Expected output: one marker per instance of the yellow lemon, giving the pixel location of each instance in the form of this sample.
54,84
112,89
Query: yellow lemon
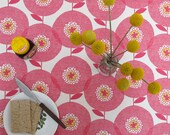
20,45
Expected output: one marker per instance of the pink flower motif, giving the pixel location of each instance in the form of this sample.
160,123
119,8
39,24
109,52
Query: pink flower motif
164,52
71,75
161,102
39,6
8,26
102,93
165,9
160,12
101,127
48,45
70,28
7,72
99,10
164,97
159,51
134,83
9,68
43,2
133,125
13,22
137,88
71,121
69,22
40,80
41,87
143,34
136,4
103,35
103,132
135,34
75,116
160,129
102,6
42,42
134,120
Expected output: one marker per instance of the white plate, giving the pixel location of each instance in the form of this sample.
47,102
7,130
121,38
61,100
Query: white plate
50,126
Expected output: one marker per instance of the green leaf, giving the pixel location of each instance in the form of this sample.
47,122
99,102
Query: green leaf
43,119
44,114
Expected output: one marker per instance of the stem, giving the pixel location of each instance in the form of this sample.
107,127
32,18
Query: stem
122,40
86,45
120,53
110,26
145,81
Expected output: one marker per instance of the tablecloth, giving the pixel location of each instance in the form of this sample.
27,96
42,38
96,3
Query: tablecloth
87,101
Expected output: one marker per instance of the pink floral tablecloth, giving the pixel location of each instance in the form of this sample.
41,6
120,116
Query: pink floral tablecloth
88,102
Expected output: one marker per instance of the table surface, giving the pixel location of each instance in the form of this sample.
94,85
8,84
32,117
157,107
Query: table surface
88,102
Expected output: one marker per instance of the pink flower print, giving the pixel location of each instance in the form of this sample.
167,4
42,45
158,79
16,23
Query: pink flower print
8,26
161,102
71,75
137,88
134,83
7,72
164,52
68,72
135,34
107,44
75,116
133,125
42,42
159,51
99,10
101,127
71,27
13,22
159,10
43,37
160,129
164,97
103,132
71,121
46,85
136,4
104,93
70,22
43,3
41,87
102,6
134,120
1,119
43,7
164,9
